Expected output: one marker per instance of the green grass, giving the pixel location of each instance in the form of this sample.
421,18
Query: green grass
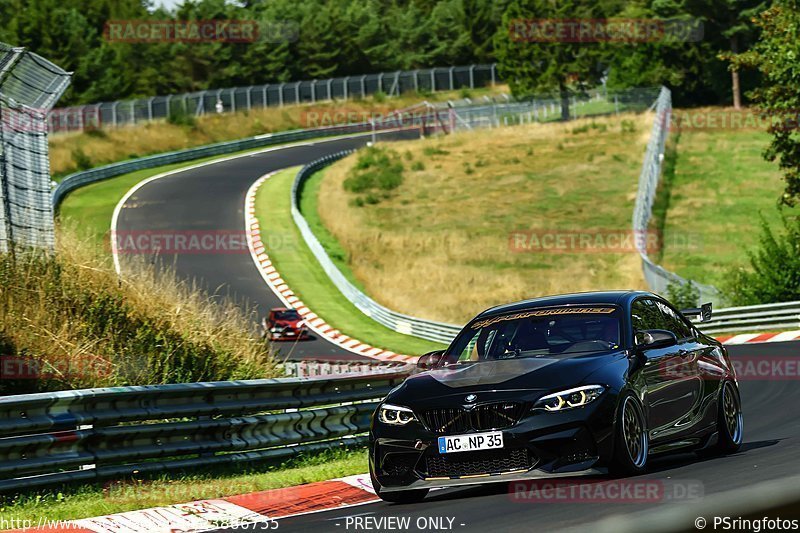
309,206
301,271
117,497
89,209
716,184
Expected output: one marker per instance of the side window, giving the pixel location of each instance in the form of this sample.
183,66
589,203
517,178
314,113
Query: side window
652,314
676,323
645,316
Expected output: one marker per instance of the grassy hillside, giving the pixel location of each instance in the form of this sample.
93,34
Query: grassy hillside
70,152
715,186
439,245
67,321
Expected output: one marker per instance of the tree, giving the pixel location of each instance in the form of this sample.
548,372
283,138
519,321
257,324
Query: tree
776,55
734,19
531,63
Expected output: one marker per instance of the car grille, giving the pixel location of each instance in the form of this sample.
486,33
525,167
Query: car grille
483,417
478,462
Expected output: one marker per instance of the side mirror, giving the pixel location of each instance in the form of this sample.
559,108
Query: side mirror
651,339
430,360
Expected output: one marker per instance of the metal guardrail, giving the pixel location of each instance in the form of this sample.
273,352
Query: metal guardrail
769,317
79,179
92,434
658,278
310,368
409,325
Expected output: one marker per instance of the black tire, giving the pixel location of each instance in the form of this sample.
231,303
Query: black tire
398,496
631,439
730,422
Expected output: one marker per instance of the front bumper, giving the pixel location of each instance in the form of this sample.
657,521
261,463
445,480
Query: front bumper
541,445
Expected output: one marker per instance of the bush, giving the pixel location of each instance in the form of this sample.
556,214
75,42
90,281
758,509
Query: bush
774,273
81,160
683,295
376,169
179,116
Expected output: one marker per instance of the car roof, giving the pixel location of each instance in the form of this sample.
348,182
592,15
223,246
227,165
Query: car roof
578,298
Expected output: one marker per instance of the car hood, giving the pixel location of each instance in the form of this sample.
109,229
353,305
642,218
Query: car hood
539,373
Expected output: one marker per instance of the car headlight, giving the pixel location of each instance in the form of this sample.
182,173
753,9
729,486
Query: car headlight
395,415
570,399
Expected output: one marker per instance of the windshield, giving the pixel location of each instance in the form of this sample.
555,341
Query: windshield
542,332
287,315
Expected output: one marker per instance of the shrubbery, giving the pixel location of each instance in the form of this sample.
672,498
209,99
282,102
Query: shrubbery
774,273
377,171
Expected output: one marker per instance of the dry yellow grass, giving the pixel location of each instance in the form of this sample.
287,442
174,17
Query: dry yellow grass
439,247
72,317
110,145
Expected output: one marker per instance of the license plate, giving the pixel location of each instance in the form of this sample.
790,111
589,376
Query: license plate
469,443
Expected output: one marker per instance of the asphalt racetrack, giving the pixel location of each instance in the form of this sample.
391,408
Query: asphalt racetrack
771,450
211,199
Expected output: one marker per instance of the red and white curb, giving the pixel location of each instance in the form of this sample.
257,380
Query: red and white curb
233,511
275,282
748,338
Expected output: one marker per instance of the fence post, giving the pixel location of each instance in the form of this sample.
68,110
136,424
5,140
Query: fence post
344,86
114,112
472,76
150,108
249,100
233,100
330,94
492,73
297,92
450,76
416,81
433,80
280,94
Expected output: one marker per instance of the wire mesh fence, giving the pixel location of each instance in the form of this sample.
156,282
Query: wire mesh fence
29,87
125,112
658,278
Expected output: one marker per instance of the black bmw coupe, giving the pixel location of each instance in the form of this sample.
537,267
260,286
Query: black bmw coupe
578,384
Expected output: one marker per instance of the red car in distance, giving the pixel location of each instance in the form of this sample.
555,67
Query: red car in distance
284,324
